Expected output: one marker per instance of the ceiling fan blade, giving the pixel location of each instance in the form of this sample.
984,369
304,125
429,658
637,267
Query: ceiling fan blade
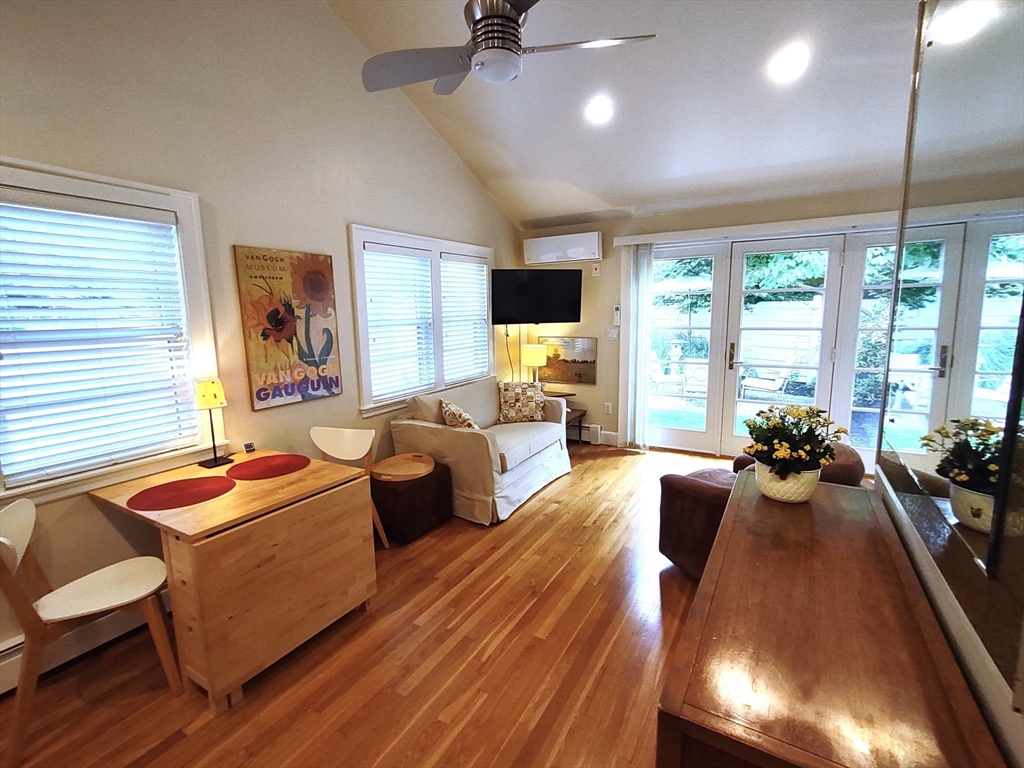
398,68
522,6
605,43
445,86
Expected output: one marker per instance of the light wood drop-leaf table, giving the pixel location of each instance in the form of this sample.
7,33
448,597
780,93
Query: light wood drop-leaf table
257,571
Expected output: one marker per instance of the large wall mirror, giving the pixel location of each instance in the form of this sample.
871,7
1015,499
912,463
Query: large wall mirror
955,342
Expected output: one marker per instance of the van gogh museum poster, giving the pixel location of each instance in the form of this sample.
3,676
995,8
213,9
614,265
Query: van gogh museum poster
290,325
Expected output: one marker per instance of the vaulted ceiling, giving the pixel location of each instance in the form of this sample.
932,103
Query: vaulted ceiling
697,123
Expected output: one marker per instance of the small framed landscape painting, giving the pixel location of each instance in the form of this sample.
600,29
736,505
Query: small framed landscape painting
571,359
290,325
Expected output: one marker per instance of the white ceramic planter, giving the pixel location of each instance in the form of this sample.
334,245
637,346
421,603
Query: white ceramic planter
971,508
794,489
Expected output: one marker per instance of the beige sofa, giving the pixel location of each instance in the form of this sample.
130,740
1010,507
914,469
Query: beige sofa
495,468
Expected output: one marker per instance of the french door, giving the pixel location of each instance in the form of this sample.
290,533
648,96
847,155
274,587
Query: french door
783,307
689,288
922,338
804,321
988,313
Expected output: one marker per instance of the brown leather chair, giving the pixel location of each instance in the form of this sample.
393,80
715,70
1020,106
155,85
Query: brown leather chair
692,506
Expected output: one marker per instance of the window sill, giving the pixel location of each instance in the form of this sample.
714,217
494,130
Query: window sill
376,410
47,491
369,411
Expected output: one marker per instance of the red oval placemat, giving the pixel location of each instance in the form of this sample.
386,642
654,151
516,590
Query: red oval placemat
269,466
180,493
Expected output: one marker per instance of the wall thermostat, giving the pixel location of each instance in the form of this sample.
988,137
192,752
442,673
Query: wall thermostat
617,316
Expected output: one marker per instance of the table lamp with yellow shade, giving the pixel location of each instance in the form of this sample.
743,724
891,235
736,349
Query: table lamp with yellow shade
210,395
534,356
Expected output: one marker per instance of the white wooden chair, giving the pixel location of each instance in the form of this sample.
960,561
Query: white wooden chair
49,613
350,445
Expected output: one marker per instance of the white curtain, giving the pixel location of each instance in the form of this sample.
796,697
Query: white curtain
639,328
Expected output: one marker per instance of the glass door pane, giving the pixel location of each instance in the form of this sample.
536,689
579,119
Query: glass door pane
684,362
784,298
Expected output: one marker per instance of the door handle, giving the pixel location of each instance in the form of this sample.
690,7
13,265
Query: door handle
940,369
733,362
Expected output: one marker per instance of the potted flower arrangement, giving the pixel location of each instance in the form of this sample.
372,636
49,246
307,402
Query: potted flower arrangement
791,444
971,462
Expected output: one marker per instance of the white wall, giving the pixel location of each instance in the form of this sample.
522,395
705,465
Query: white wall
258,108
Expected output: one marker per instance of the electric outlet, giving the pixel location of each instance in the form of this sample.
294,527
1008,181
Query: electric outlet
595,270
608,408
613,334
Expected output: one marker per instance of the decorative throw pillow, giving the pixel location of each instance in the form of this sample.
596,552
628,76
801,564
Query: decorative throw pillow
456,417
520,401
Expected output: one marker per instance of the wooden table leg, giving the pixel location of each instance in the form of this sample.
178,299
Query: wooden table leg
235,697
218,704
188,684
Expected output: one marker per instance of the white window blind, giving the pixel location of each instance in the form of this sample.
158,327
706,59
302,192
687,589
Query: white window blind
465,331
399,317
95,365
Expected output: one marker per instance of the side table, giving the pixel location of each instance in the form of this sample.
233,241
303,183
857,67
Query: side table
574,418
412,493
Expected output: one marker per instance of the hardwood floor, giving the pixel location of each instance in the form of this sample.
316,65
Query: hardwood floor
539,641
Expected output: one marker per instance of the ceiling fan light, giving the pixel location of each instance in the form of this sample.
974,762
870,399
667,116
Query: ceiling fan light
601,43
497,65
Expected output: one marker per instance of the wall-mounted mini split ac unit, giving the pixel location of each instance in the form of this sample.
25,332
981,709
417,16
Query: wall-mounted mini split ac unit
584,246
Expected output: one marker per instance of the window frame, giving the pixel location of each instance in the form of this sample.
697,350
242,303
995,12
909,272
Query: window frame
36,177
359,236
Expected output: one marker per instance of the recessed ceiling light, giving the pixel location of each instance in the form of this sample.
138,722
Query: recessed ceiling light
789,63
599,110
962,21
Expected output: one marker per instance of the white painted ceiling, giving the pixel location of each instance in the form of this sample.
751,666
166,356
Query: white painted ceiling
697,123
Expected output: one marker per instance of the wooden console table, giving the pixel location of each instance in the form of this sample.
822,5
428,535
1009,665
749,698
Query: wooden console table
257,571
810,642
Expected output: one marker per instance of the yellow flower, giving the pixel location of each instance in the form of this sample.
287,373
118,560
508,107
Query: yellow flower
992,480
993,468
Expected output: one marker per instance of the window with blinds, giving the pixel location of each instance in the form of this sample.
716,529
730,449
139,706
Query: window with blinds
465,330
95,365
400,320
422,314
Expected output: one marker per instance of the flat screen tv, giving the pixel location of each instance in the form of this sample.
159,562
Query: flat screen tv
535,296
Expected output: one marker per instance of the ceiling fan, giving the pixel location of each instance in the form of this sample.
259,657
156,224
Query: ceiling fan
494,52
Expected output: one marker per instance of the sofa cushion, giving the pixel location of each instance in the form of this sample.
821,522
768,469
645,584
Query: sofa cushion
456,417
519,441
519,401
478,398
